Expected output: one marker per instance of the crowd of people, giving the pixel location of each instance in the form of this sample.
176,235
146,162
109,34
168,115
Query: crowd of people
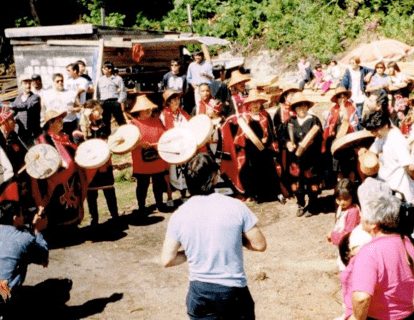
250,155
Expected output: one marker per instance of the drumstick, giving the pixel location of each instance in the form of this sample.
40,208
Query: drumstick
172,152
116,142
35,157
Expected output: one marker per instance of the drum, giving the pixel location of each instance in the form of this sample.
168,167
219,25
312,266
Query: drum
307,140
359,138
343,130
125,139
177,146
201,127
42,160
244,126
92,154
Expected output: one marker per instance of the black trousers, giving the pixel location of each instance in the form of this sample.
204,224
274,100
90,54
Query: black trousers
111,202
143,181
112,107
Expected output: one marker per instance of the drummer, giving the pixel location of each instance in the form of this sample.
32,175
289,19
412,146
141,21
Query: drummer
343,113
146,161
237,84
63,193
305,170
104,177
173,116
258,175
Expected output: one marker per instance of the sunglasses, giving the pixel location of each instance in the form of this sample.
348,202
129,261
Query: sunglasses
175,65
380,68
342,95
59,81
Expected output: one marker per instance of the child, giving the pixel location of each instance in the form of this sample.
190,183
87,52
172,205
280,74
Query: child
238,86
348,213
317,81
173,116
332,77
104,177
304,170
305,72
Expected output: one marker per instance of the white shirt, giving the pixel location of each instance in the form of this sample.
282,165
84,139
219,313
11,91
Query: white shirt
394,155
358,96
76,84
59,101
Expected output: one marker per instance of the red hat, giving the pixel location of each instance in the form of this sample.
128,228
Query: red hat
5,114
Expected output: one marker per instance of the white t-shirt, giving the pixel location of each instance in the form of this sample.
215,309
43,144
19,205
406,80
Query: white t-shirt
210,230
358,96
76,84
59,101
394,154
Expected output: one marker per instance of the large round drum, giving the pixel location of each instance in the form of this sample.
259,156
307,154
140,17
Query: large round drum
92,154
359,138
125,139
42,160
250,134
201,127
177,146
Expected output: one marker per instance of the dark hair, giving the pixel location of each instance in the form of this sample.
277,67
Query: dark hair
8,209
81,62
318,66
55,75
344,249
334,61
91,103
381,63
178,61
74,67
205,84
375,120
108,64
344,189
394,65
199,53
199,174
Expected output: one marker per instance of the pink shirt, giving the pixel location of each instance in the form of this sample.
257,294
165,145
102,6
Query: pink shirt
381,270
352,219
346,281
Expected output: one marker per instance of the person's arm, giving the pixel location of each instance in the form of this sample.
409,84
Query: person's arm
38,250
171,256
190,76
351,221
346,80
122,91
254,240
360,305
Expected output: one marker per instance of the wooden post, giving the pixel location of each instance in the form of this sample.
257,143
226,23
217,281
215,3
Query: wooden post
98,68
103,16
190,19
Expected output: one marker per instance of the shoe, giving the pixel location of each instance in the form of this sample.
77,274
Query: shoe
300,212
170,204
281,198
308,214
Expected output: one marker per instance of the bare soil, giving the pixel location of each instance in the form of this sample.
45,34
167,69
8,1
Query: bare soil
116,274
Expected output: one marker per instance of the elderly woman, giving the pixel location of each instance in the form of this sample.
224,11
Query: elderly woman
382,280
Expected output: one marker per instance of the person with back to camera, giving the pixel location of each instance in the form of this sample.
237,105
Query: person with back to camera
396,163
212,228
19,248
382,277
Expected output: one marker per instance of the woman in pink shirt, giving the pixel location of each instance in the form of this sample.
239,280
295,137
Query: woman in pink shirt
382,276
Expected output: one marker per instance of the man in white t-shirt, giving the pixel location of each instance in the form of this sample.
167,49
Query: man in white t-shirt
396,163
77,83
212,228
60,99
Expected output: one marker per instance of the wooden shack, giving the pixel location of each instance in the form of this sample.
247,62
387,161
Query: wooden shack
141,56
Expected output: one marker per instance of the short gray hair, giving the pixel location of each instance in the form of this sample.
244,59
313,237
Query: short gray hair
384,211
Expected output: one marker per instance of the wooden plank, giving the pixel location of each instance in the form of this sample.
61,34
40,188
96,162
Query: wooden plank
89,43
49,31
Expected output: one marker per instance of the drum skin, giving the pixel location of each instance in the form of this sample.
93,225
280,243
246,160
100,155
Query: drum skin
92,154
177,146
125,139
42,161
202,127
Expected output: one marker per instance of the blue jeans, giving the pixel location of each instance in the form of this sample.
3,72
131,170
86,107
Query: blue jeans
209,301
359,107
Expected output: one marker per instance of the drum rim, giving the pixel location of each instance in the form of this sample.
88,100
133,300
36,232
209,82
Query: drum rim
113,136
189,137
341,143
27,160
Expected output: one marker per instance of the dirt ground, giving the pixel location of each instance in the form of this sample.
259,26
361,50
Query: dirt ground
116,274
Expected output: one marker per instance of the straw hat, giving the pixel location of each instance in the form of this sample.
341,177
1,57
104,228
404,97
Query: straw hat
286,90
338,92
254,95
169,94
369,163
143,103
299,97
237,77
53,114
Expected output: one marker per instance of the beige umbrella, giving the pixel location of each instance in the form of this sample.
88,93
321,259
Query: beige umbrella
381,50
